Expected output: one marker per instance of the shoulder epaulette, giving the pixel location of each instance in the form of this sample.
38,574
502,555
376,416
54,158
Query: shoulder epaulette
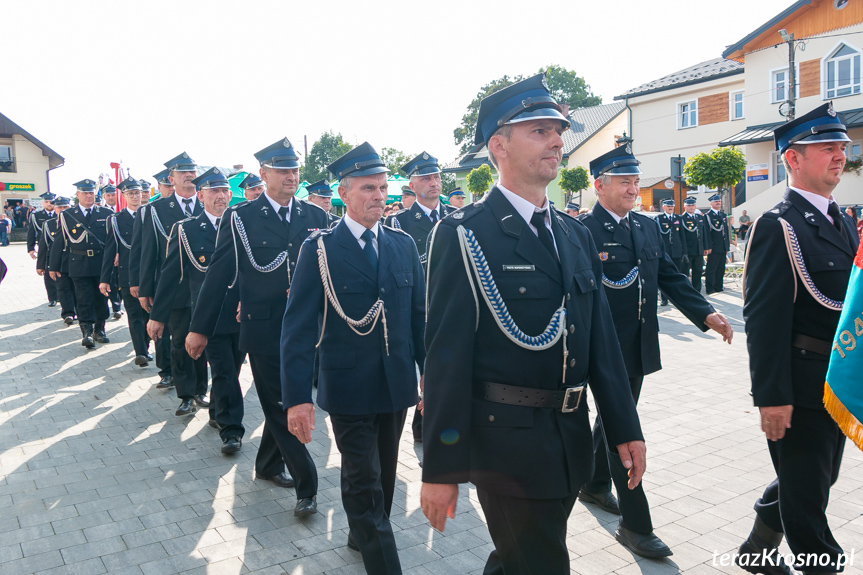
777,210
399,230
461,215
319,232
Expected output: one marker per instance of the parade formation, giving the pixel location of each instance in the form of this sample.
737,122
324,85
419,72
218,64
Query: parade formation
489,320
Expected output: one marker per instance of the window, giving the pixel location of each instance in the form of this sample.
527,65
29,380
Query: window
687,113
842,72
7,160
778,169
735,101
854,150
779,81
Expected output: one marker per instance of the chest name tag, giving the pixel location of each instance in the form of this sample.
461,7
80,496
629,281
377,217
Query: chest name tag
519,268
610,245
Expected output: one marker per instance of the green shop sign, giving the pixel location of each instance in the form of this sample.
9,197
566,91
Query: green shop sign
9,187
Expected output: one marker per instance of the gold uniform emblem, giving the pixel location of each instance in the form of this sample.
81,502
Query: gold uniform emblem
202,259
603,256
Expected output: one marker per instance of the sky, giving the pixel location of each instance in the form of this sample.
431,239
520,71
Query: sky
139,82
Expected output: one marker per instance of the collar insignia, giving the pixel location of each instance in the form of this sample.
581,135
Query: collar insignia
458,215
808,215
637,225
609,226
171,205
418,216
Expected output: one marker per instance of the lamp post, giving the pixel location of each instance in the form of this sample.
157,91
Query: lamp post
792,74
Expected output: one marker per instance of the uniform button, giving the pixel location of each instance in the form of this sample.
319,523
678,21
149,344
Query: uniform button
638,262
802,352
568,297
643,320
830,264
591,282
491,418
572,363
644,300
293,263
571,329
249,316
612,257
290,245
344,287
522,290
265,243
383,290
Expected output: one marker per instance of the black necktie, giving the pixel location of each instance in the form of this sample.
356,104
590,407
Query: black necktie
369,250
188,208
538,221
833,212
433,216
283,213
624,223
87,214
217,222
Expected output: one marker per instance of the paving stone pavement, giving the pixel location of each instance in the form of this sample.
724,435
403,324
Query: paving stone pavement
98,476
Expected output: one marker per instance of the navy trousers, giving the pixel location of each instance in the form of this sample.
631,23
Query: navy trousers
226,397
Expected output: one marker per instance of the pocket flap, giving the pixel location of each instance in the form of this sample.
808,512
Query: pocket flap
489,414
585,280
351,285
255,312
404,279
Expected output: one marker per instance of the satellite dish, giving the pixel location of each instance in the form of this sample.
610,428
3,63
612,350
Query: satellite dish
785,109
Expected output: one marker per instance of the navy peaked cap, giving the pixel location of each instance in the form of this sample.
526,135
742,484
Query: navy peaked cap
525,100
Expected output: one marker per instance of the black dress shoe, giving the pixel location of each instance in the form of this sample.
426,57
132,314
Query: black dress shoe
215,424
69,320
418,438
148,356
201,401
643,544
664,302
231,445
52,303
186,408
352,543
760,553
101,337
141,361
282,480
166,382
305,507
87,340
118,314
605,500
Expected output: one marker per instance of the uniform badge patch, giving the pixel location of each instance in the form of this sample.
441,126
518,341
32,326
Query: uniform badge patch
202,259
603,256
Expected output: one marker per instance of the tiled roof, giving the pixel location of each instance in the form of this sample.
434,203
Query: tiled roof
703,72
584,123
8,128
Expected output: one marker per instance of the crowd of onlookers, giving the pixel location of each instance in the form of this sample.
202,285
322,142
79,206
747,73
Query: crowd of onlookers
11,217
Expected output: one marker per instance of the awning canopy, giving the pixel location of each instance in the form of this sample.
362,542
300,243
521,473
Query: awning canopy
764,132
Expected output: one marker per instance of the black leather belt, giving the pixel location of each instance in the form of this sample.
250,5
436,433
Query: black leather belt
88,253
566,400
812,344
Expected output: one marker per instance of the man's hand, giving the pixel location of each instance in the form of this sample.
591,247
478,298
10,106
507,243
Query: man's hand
238,312
438,501
717,322
32,254
707,252
301,421
195,344
146,303
40,272
54,275
133,291
116,259
633,455
155,329
105,289
420,405
775,420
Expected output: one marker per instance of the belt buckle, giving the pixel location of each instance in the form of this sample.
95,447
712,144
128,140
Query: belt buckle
569,394
89,253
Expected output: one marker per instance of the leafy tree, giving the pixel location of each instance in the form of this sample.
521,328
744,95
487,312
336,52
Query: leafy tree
565,85
447,183
479,180
325,150
395,159
574,180
721,169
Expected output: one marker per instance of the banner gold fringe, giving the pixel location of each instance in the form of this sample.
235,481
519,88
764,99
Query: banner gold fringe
849,424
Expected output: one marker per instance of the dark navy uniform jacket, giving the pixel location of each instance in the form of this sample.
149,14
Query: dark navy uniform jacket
117,245
510,449
621,251
716,224
781,373
46,244
167,212
135,253
694,232
85,257
34,231
179,273
263,295
671,228
417,225
357,376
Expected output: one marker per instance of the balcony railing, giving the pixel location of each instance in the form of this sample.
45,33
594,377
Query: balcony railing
7,164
